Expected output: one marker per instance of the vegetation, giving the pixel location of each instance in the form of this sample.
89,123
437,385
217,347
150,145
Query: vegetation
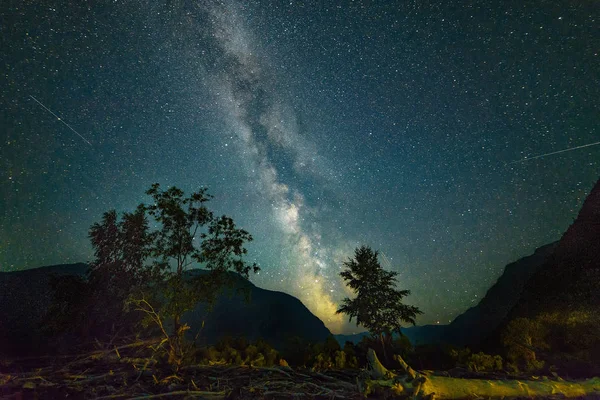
141,277
378,304
320,356
566,342
139,274
237,351
189,233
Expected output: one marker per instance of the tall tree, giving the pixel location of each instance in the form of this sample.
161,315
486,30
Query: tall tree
146,264
121,249
190,233
378,304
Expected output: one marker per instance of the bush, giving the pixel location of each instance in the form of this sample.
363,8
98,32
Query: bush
350,352
482,362
320,356
238,352
340,359
522,338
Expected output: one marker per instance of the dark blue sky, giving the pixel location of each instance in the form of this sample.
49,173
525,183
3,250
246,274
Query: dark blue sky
317,128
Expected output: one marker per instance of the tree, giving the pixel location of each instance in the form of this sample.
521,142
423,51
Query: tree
190,233
121,249
187,234
523,338
141,263
378,304
93,304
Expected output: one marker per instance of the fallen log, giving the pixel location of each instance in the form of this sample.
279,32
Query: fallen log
417,385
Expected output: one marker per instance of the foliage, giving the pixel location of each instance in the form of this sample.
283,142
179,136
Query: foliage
141,274
188,233
320,356
567,341
378,304
237,351
94,306
432,357
351,357
120,248
330,355
522,338
481,362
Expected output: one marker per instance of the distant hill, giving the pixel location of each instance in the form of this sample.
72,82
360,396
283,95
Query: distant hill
24,299
273,316
270,315
418,335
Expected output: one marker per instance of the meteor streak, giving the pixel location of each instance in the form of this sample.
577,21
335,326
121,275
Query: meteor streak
554,152
60,119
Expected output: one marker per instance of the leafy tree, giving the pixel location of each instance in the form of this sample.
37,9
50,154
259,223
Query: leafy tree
378,304
190,233
481,362
523,338
146,269
121,249
239,352
93,305
351,358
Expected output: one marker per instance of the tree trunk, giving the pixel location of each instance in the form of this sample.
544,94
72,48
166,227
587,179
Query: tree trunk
385,356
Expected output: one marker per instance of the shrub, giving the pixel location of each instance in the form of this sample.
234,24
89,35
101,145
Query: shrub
230,351
482,362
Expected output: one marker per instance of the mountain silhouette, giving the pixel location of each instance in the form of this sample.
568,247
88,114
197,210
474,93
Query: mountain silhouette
570,279
562,299
273,316
24,298
472,326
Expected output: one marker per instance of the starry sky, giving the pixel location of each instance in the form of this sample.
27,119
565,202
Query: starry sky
317,126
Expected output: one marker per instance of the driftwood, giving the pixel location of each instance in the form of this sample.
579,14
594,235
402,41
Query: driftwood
417,385
127,372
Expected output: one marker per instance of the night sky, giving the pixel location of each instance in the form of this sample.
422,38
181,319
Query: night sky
317,127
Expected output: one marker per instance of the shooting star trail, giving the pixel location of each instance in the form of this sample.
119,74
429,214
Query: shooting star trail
554,152
60,119
385,261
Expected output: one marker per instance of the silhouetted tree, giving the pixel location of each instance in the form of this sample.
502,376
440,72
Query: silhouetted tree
121,249
188,233
378,304
147,268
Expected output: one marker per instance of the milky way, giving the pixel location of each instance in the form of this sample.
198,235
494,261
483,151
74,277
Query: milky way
265,125
317,127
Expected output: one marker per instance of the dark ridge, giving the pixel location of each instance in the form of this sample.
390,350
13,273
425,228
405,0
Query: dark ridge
273,316
472,326
24,299
570,279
